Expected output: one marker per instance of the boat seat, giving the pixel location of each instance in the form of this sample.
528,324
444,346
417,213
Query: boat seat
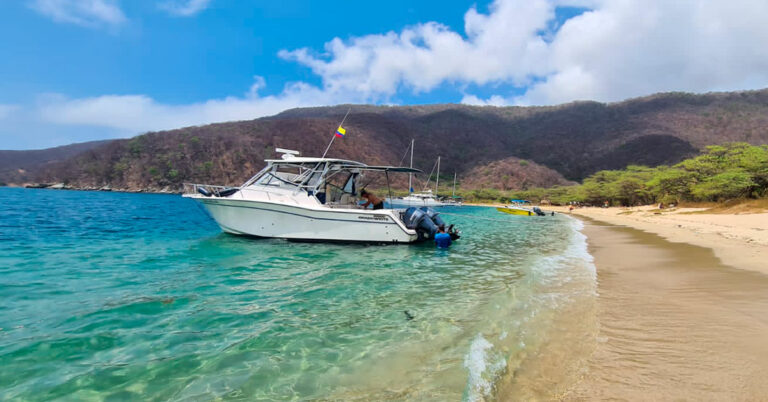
347,199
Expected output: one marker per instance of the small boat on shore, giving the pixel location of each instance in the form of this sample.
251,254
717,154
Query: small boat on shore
521,207
312,199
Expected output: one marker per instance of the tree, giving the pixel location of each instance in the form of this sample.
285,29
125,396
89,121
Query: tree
671,185
723,186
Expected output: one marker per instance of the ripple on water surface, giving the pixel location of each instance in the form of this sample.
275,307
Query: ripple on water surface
141,296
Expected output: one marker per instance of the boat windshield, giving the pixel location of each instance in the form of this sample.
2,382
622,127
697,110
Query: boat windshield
290,175
332,181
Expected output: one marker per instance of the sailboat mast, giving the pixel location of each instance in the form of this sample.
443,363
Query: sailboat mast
454,185
437,179
410,175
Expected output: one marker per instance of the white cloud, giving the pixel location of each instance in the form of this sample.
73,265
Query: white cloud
619,49
88,13
494,100
502,46
184,8
630,48
7,110
139,113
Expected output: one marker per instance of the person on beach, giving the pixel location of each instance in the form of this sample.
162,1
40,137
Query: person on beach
372,200
442,239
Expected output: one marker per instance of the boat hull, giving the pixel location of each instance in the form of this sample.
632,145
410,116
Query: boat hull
516,211
404,204
265,219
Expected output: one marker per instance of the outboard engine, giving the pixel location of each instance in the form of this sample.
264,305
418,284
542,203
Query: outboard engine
425,221
418,220
538,211
432,214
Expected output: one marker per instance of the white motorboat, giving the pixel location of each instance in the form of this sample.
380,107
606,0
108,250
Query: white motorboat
312,199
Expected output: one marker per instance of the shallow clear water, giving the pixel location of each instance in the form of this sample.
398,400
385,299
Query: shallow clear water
136,296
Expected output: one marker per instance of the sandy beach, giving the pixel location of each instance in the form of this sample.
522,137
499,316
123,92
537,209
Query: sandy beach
682,306
738,240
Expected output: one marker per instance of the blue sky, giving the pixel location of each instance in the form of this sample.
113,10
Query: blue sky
175,59
77,70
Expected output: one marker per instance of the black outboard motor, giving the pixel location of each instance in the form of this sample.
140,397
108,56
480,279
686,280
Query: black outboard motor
425,221
412,217
435,217
538,211
418,220
432,214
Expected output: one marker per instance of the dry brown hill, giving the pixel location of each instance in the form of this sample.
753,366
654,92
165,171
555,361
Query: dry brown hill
21,166
573,140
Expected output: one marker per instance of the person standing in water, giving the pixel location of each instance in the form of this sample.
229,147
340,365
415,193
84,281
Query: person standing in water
442,239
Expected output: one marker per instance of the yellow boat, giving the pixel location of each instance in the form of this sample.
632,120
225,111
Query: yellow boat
521,207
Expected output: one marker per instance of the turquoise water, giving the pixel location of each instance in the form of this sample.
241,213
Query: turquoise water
110,296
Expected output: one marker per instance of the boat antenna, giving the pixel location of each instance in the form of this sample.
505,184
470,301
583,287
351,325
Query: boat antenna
334,136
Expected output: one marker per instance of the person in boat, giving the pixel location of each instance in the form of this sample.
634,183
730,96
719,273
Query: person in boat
377,202
442,239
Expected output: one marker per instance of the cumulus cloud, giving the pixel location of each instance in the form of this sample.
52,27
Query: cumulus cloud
615,50
494,100
184,8
630,48
140,113
618,49
88,13
502,46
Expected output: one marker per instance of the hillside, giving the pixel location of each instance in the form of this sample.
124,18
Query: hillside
21,166
569,141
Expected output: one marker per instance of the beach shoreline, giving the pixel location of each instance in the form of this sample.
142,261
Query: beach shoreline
675,320
738,240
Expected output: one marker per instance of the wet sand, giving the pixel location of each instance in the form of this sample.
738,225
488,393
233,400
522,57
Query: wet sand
674,323
737,239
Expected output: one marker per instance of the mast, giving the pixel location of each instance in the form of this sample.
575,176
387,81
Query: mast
437,179
410,175
454,186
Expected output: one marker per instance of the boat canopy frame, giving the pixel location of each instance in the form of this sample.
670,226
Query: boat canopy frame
315,172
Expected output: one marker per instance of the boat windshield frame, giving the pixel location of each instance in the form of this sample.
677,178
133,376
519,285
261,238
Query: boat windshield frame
313,173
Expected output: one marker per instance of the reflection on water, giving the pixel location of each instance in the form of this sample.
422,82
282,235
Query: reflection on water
140,296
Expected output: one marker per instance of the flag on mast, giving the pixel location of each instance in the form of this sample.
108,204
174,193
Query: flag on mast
340,132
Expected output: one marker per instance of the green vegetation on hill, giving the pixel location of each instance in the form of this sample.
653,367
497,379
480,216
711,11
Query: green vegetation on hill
722,172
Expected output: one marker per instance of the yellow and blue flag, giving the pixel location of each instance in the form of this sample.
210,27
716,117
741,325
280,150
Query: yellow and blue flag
340,132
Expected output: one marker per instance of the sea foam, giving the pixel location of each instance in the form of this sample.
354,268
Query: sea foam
484,367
